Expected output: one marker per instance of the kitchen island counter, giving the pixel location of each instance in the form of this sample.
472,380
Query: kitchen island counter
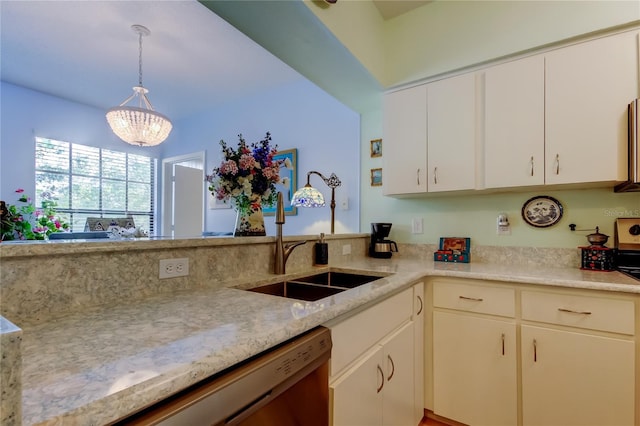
96,366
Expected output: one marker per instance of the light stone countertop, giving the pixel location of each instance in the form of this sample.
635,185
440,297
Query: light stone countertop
94,367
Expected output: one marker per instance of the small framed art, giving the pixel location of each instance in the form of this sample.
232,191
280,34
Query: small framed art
376,177
376,148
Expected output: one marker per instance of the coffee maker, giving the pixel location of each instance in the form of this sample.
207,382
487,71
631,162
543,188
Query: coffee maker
380,247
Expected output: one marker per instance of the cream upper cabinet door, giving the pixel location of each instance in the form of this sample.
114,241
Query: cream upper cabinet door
404,154
451,133
588,88
475,369
514,123
571,378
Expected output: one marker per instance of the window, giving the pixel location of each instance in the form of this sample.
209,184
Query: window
94,182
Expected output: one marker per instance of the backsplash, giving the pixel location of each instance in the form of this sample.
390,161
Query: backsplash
48,280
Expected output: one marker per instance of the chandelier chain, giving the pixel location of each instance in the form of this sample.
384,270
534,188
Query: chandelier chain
140,60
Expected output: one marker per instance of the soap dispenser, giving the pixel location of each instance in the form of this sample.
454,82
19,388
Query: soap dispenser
322,251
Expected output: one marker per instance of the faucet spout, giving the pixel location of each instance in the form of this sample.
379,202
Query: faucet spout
282,250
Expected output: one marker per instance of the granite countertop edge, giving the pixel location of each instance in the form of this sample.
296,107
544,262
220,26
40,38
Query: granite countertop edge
243,324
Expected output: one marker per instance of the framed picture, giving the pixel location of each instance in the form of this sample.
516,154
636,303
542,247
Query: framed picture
288,184
376,148
376,177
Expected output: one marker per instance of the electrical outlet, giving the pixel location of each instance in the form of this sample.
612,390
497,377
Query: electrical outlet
170,268
346,249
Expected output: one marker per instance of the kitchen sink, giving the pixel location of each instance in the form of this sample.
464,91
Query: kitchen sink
339,279
315,287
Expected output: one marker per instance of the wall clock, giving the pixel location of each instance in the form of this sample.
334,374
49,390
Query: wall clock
542,211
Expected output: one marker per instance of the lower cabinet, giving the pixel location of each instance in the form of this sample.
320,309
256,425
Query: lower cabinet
475,377
375,370
570,357
378,389
571,378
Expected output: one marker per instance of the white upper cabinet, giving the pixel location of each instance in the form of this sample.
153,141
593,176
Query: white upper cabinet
405,142
588,88
451,124
555,118
514,123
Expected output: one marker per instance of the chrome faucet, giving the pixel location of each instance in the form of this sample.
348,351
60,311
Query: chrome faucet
282,250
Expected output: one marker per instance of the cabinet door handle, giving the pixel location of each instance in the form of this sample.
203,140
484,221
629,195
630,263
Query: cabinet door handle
535,350
382,378
435,175
418,176
557,164
532,165
502,344
421,306
574,312
393,368
473,299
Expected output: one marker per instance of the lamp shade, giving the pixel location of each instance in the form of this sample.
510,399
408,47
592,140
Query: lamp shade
307,196
139,126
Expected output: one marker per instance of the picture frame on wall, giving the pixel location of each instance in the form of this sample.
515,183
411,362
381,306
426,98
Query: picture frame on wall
215,204
289,182
376,148
376,177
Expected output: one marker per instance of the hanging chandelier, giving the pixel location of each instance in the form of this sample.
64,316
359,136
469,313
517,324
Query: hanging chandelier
139,125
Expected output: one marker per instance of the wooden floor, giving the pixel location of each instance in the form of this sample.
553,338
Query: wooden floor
426,421
431,419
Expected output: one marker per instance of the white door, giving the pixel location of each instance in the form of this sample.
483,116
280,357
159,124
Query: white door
188,201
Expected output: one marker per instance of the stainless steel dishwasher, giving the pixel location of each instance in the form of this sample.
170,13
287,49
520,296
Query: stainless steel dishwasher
284,386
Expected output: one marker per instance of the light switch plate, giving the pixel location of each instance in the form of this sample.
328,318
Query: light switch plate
417,225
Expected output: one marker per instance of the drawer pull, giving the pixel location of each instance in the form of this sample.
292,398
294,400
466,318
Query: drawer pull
535,351
421,306
418,176
532,165
382,377
574,312
502,344
393,368
473,299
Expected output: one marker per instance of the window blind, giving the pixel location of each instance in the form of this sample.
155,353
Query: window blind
87,181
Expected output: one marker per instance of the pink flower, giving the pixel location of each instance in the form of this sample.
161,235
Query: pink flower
229,167
57,223
19,190
247,161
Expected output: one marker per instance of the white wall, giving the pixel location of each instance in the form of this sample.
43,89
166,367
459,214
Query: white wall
25,114
301,116
325,133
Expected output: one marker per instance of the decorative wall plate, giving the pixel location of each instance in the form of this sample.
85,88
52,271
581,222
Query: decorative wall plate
542,211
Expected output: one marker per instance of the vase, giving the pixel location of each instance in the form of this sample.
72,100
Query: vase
250,221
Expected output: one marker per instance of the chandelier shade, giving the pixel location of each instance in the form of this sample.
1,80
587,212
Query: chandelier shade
139,125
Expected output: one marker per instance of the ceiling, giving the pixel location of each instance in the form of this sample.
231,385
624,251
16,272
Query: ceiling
87,52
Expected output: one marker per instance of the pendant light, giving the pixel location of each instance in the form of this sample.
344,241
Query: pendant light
139,125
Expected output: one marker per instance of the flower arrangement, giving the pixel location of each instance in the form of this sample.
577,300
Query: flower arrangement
26,222
246,172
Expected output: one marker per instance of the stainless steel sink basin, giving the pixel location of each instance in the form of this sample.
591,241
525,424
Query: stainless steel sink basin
317,286
299,291
339,279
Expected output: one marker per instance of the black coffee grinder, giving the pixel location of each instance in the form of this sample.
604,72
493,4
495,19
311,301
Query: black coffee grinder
380,247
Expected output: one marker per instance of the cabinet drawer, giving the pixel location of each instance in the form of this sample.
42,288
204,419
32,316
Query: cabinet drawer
474,298
594,313
356,334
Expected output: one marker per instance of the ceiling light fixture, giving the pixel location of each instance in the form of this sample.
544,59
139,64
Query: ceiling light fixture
309,196
139,125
